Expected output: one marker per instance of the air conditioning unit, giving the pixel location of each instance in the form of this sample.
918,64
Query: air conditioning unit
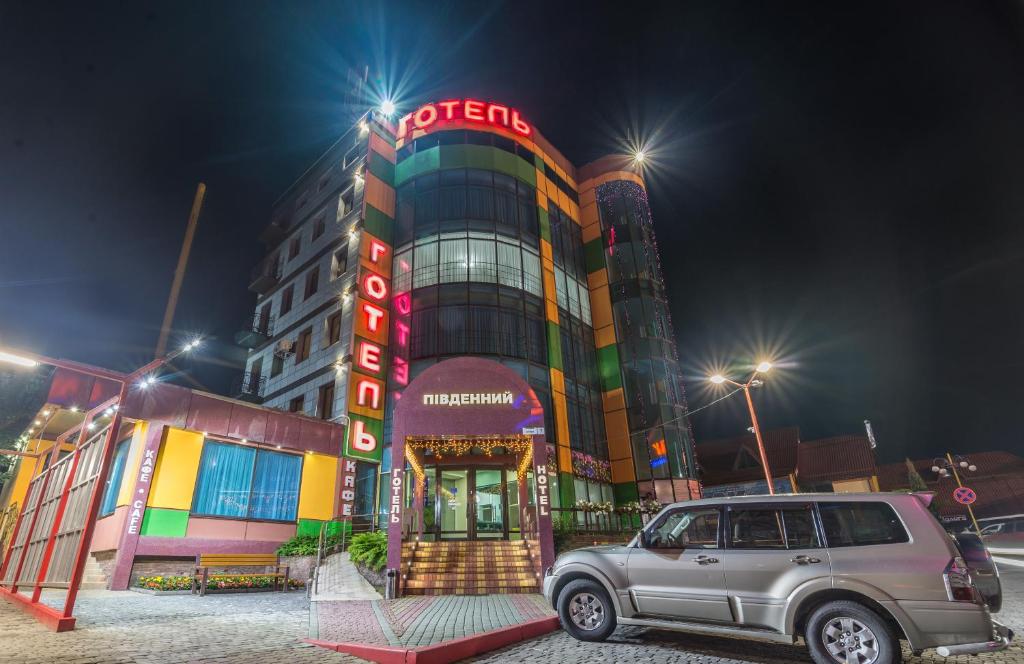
284,348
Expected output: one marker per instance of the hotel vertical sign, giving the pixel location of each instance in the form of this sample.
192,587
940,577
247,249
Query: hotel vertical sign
367,382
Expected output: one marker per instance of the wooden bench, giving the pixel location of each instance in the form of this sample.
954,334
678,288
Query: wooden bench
205,561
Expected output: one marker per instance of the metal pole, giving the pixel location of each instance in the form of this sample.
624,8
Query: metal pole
179,271
956,475
760,443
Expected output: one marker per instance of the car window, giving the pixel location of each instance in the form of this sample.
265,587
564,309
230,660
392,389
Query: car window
861,524
769,528
685,529
991,530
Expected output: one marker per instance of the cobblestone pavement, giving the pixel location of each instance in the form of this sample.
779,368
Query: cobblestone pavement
636,644
419,621
130,628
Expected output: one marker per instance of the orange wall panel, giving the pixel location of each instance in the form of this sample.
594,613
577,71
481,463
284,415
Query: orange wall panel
601,307
378,194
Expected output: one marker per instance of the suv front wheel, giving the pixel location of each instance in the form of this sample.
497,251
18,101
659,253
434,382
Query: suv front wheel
586,610
850,633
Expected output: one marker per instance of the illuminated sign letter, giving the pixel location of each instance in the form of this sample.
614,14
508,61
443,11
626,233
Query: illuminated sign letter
373,316
402,332
368,388
375,286
362,440
473,110
403,125
425,116
369,357
519,125
377,249
449,108
493,110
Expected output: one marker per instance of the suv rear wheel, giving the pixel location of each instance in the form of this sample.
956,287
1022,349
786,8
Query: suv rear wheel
850,633
586,610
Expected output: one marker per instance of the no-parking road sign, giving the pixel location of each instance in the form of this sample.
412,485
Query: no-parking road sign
964,495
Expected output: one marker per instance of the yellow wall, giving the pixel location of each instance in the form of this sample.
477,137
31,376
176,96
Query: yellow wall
319,481
177,466
29,468
131,465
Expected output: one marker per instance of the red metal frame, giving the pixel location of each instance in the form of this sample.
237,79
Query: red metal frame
63,620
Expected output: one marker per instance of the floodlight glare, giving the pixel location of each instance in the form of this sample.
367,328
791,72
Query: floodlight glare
387,107
717,379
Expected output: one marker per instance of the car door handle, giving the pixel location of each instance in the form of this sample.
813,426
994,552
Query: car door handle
705,560
804,560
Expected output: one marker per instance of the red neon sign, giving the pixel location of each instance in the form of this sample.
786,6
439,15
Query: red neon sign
470,110
373,316
375,286
369,357
368,393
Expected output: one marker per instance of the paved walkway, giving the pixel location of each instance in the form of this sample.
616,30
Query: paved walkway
420,621
340,580
131,628
638,644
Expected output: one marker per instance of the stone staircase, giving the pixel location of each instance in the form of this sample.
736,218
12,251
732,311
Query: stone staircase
469,568
93,577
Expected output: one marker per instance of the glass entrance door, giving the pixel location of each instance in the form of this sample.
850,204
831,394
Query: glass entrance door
471,503
453,503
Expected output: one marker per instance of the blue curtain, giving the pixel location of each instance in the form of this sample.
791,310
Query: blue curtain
275,486
225,477
113,487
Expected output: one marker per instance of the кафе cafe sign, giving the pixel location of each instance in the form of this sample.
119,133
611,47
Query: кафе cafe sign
468,110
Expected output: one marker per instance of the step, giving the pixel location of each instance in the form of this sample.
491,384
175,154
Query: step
92,585
518,565
487,590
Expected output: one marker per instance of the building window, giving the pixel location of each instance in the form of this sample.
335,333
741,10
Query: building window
276,366
302,345
245,483
333,329
346,202
319,226
294,247
339,263
286,298
113,487
312,283
325,401
296,405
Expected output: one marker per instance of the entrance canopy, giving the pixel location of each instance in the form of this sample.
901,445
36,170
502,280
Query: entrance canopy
455,406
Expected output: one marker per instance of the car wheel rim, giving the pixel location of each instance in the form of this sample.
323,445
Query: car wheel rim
586,611
849,641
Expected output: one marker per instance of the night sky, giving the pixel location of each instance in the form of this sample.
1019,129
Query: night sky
840,188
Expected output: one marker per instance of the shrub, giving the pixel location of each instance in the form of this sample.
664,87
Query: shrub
370,549
300,545
223,583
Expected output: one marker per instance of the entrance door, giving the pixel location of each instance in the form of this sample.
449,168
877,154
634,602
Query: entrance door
471,503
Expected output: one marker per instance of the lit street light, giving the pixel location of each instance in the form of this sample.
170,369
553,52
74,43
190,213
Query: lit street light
753,381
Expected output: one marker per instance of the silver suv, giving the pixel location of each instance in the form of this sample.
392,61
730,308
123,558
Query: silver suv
850,573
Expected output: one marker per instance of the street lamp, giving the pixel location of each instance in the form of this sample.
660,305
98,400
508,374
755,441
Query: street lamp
753,381
950,465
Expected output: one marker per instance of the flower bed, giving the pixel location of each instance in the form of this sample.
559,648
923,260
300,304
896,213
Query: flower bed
240,582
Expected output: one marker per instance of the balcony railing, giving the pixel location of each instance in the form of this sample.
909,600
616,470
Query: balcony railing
265,275
255,331
250,387
581,522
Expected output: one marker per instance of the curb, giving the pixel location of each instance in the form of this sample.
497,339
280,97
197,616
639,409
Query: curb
446,651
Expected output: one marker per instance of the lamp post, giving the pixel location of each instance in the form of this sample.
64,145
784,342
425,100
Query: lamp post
753,381
948,465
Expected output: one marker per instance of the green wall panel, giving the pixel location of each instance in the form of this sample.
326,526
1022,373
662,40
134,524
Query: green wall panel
554,346
545,223
421,162
465,156
159,522
608,366
566,490
311,527
378,224
382,168
593,254
625,492
371,426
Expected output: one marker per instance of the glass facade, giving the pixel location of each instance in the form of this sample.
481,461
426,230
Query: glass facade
652,379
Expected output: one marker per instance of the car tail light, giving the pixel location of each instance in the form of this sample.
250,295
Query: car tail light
957,578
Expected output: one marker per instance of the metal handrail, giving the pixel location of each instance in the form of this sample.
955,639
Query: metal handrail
582,521
357,524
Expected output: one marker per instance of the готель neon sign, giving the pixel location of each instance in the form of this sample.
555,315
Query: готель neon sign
470,110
